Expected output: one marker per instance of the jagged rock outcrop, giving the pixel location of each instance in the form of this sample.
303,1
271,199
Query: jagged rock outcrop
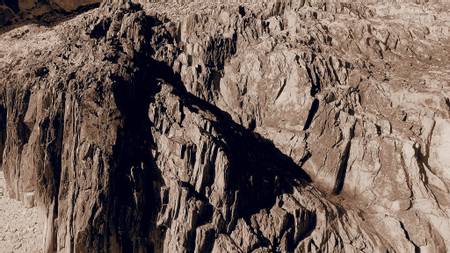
16,12
277,126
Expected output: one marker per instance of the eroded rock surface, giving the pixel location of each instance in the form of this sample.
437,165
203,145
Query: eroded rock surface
13,13
276,126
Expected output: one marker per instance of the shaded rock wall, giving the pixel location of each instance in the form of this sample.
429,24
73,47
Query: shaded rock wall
15,12
279,126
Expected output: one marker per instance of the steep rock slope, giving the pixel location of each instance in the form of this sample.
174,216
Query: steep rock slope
14,12
277,126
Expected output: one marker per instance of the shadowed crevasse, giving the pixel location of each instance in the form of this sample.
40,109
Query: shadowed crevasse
312,112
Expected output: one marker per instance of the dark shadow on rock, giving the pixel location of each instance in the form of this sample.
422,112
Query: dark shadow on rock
2,132
134,169
48,19
311,114
260,172
135,178
13,4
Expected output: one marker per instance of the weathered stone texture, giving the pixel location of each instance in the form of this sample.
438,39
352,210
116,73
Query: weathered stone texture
277,126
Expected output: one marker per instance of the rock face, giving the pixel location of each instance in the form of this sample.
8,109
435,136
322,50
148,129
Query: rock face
277,126
13,12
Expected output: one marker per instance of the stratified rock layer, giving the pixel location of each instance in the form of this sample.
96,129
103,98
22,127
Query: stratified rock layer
277,126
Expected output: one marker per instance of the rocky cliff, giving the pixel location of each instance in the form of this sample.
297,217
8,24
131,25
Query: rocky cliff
264,126
14,12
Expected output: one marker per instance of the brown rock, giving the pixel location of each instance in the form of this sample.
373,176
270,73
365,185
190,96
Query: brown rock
70,5
28,199
279,126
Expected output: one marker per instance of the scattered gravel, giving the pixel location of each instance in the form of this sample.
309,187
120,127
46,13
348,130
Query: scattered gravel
20,228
